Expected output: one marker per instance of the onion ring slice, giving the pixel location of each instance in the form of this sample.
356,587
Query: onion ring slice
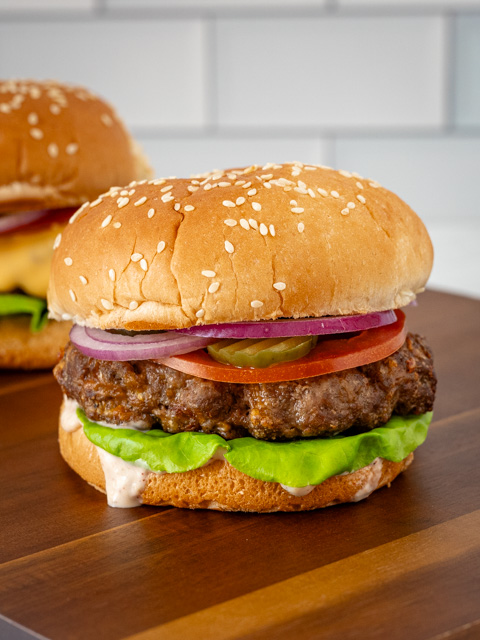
103,345
290,328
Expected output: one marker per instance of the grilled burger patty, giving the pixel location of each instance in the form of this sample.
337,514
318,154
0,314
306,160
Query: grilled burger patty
363,397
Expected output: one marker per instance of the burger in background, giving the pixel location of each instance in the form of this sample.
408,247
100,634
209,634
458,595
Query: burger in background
60,146
238,340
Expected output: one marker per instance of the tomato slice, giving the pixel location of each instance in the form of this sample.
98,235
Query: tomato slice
335,354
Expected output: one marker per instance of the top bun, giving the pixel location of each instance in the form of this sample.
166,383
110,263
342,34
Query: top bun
259,243
59,146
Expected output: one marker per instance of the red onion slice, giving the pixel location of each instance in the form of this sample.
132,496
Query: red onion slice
290,328
102,345
18,220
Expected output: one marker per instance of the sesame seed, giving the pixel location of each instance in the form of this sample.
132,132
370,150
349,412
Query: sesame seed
267,185
106,119
135,257
256,304
230,222
207,187
272,230
256,206
374,184
293,203
347,174
189,207
95,203
52,150
117,225
345,212
350,205
200,313
122,202
311,193
208,274
133,305
251,192
263,229
71,148
228,203
244,224
151,212
140,201
298,210
361,198
279,286
224,184
176,206
111,274
229,247
192,189
160,246
106,304
68,262
239,183
107,221
167,197
57,241
55,109
213,287
335,194
248,184
72,295
240,201
300,227
169,187
300,190
157,183
302,185
36,133
82,279
267,176
32,119
124,192
144,264
359,185
322,192
253,223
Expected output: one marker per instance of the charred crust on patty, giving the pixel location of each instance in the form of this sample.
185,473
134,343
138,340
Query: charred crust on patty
362,398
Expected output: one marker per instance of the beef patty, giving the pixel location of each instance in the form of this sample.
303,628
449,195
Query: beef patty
363,397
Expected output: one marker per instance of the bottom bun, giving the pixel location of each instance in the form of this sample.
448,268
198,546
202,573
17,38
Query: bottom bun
22,349
220,486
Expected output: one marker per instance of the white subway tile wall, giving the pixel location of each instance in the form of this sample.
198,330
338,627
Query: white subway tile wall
388,88
331,72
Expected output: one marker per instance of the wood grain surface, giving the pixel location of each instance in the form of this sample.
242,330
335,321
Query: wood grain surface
403,564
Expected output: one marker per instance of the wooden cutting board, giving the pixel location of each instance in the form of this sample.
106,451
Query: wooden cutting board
403,564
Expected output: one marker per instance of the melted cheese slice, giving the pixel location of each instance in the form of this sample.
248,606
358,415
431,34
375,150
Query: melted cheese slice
25,261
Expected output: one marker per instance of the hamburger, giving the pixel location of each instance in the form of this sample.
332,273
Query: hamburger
238,340
60,146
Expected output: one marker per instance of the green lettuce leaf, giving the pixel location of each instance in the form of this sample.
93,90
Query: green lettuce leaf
16,303
296,464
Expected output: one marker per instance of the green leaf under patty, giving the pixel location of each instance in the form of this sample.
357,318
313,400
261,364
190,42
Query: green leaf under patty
296,464
17,303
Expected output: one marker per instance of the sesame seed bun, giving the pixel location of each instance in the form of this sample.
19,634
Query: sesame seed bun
60,146
221,487
288,240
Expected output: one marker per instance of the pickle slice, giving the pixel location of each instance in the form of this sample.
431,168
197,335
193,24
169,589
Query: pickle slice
261,353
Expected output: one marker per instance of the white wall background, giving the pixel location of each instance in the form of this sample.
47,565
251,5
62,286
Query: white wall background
387,88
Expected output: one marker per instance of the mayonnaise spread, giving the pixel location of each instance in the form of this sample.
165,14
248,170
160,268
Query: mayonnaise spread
124,481
372,476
